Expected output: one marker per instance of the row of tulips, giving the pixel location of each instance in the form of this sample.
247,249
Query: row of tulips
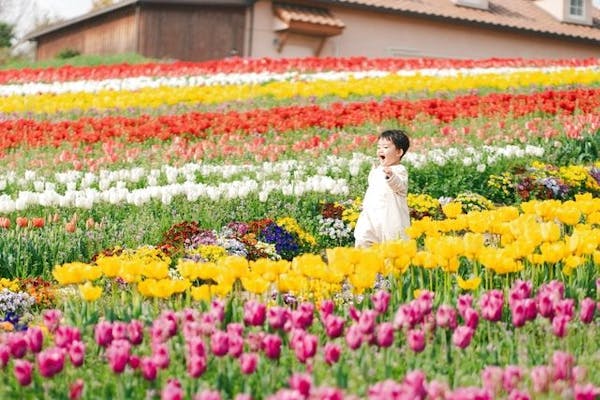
274,344
194,90
86,130
268,65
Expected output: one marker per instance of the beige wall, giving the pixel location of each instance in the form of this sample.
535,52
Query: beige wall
373,34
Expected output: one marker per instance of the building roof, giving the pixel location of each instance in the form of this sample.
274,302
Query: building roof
523,15
511,14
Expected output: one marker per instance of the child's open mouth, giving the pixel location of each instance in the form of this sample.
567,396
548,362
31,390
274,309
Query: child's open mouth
382,158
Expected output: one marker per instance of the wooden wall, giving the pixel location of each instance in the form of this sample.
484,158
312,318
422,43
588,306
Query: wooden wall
106,34
192,33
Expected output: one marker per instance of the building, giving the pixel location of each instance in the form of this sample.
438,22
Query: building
196,30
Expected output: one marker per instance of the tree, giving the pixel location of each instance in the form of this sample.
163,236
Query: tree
6,34
98,4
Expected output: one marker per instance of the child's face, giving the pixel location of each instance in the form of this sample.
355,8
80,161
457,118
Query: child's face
388,153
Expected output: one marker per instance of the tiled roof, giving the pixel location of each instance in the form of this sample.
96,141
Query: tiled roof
515,14
316,15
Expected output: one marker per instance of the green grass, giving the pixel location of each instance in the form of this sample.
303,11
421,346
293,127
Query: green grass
81,60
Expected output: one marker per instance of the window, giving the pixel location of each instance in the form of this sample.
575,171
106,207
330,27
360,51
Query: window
576,8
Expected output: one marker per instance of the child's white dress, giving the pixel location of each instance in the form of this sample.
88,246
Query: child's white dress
384,214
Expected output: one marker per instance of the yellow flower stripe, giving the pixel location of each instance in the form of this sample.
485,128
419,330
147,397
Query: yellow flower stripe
162,96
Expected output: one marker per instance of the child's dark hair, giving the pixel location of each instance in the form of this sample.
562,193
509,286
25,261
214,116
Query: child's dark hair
398,137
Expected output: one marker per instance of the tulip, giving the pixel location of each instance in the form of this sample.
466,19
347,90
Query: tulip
301,382
52,319
4,223
303,317
540,377
172,390
196,365
445,317
385,334
76,389
511,377
326,308
236,345
236,329
148,368
559,325
415,382
118,355
334,325
22,371
271,345
77,353
208,394
518,395
4,355
65,335
491,378
519,313
248,363
254,313
587,309
35,339
464,301
219,343
51,361
366,322
416,340
586,392
160,355
332,353
135,332
562,365
103,333
354,337
381,301
38,222
18,345
22,222
277,317
461,337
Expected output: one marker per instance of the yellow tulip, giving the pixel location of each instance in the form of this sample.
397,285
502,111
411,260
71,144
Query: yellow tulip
89,292
452,209
201,293
468,284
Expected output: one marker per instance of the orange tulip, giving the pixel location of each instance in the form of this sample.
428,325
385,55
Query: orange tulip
90,223
71,226
22,222
38,222
4,222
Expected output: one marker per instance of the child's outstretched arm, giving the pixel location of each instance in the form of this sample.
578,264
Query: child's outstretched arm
398,180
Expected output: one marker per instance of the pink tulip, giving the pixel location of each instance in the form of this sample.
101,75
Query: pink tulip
540,377
135,332
332,353
559,325
118,355
248,363
334,325
196,346
119,330
461,337
464,301
491,377
51,361
511,377
381,301
471,318
22,371
235,328
303,317
416,340
196,365
519,312
17,344
562,365
516,394
219,343
445,317
354,337
77,353
545,304
103,333
254,313
172,390
134,361
587,309
579,374
4,355
236,345
366,322
437,390
520,290
301,382
65,335
76,389
530,309
586,392
305,346
271,345
148,368
207,394
52,319
469,393
326,308
35,339
217,310
327,393
161,355
385,334
277,317
242,396
565,307
490,305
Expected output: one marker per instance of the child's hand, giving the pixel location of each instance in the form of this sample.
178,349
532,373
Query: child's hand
388,172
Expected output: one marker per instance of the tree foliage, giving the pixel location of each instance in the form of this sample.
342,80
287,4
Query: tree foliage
6,34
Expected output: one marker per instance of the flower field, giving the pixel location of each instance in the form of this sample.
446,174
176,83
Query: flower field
184,230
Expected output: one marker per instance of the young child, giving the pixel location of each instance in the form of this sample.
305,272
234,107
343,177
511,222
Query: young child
385,214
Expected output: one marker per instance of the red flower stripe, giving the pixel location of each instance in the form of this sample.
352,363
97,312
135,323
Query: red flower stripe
91,130
241,65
